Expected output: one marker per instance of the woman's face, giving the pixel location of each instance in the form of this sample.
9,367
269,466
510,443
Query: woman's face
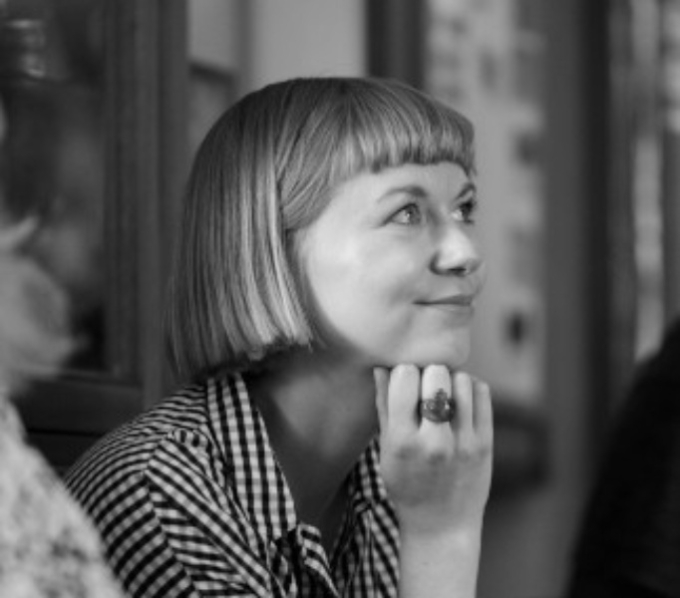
392,266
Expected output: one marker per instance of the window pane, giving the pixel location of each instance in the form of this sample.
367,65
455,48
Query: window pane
52,151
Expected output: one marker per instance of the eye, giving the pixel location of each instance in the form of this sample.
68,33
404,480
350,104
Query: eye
409,215
466,211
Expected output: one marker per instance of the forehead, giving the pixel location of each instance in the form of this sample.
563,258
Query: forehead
444,180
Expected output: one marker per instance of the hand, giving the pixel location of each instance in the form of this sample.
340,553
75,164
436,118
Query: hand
437,474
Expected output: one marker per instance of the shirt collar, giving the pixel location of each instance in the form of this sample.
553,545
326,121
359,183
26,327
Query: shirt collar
366,486
260,485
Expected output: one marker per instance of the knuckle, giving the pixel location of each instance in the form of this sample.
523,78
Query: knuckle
437,456
404,451
437,370
476,451
487,450
434,379
406,369
435,451
470,448
462,377
483,389
463,384
428,452
406,372
466,451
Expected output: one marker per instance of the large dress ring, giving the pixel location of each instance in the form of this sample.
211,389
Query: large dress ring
438,409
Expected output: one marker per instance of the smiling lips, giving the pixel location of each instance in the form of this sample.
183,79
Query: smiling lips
462,305
453,300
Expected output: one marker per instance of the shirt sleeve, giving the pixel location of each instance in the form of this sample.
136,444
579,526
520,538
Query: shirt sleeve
210,538
171,531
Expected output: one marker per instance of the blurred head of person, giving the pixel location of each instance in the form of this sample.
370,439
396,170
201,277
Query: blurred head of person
34,336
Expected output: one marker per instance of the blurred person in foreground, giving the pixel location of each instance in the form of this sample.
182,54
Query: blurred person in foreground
48,547
327,442
629,544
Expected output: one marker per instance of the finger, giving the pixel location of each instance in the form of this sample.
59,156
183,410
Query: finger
402,399
462,395
382,378
483,408
435,379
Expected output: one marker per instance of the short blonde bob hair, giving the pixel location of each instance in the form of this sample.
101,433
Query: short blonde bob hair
265,171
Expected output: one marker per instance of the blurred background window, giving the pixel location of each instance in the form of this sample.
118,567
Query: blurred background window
52,151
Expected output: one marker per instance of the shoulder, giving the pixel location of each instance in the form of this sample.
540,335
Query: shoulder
160,491
169,435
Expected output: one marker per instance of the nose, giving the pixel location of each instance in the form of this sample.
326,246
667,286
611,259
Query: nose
457,252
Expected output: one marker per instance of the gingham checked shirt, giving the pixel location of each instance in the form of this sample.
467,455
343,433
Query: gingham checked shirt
191,502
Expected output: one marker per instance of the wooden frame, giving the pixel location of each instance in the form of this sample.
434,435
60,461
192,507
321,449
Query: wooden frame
670,40
394,38
211,91
146,161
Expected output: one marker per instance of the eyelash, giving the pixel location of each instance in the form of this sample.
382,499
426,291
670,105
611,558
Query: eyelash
409,208
467,210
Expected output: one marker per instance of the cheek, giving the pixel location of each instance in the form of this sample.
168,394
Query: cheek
379,274
357,288
329,271
331,275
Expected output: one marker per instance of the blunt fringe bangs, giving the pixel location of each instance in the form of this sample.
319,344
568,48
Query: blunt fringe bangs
390,124
265,171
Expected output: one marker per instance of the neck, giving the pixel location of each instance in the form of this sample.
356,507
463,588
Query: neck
320,417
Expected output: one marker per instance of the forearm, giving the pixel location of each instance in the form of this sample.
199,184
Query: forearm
446,565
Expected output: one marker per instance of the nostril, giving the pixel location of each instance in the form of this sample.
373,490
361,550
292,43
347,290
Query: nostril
461,271
467,268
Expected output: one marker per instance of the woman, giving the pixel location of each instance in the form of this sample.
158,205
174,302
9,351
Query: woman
324,289
48,548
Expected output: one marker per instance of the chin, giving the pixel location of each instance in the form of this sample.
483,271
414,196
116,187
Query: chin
453,362
453,357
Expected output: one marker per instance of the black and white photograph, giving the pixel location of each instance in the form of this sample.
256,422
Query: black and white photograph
343,299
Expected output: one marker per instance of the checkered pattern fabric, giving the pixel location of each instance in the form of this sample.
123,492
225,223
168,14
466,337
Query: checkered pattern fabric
190,502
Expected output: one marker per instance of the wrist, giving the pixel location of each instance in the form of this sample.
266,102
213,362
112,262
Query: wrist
463,538
440,564
427,523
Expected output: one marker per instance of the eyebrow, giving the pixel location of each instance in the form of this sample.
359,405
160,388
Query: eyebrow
417,191
468,188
